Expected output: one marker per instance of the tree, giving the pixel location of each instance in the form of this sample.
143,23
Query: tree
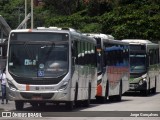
61,7
98,7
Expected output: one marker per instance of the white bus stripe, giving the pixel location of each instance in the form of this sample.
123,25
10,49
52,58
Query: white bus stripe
100,77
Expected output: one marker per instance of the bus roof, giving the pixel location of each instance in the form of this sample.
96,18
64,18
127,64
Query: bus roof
137,41
105,38
45,29
73,32
99,35
115,42
149,44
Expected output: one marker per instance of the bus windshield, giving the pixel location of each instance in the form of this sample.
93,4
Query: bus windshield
137,63
38,58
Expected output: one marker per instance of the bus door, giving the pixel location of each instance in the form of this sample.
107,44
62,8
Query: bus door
99,67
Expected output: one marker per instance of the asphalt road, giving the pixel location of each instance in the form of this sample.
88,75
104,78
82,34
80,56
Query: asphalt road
133,106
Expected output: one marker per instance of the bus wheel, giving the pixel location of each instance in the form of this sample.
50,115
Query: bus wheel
19,105
69,105
34,104
147,91
119,97
100,99
111,98
144,92
42,105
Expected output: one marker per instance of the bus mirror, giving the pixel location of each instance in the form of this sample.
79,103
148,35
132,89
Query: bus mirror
74,49
73,60
73,52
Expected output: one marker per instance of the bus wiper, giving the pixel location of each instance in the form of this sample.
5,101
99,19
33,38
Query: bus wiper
48,52
133,67
52,45
29,53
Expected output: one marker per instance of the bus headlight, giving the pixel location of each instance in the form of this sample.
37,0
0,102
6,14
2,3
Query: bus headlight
64,86
140,82
144,79
12,86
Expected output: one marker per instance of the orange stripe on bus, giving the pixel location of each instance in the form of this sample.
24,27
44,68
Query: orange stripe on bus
99,50
30,30
27,87
99,90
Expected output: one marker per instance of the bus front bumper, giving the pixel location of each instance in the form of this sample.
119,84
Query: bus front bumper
37,95
137,86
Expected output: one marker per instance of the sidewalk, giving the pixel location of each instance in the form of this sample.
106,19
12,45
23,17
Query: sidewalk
7,107
11,106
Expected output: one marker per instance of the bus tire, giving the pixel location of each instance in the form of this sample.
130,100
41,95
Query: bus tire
34,104
111,98
42,105
144,92
147,91
69,105
19,105
86,103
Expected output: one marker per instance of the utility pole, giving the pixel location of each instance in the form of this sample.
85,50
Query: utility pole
25,13
24,21
31,14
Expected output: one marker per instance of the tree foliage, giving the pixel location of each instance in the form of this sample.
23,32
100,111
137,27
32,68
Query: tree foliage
121,18
63,7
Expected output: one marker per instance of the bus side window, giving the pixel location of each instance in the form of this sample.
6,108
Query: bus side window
73,49
78,53
74,53
1,51
93,56
108,60
85,53
151,57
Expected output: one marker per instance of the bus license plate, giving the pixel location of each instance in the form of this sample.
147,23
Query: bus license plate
37,98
